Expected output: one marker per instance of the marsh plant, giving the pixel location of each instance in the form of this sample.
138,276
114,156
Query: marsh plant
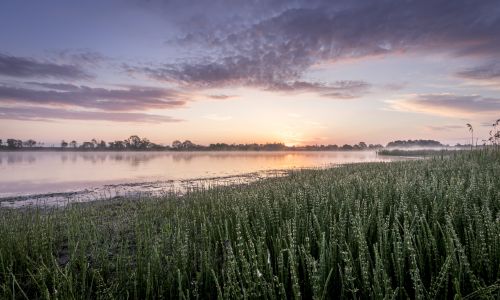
494,133
471,130
423,229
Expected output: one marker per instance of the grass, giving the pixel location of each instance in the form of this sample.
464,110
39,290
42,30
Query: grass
426,229
415,153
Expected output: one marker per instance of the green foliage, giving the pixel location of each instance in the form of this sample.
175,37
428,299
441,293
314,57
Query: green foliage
412,229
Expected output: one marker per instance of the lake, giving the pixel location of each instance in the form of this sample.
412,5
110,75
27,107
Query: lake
30,177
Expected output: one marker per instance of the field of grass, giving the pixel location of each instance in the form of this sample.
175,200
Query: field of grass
424,229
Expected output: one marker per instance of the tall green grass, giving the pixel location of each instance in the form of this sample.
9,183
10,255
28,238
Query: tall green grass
427,229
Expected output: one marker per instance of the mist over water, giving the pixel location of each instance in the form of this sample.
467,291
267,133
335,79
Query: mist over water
30,173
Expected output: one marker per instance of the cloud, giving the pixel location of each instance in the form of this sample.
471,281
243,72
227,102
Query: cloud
215,117
55,86
445,127
346,89
220,97
315,124
242,72
68,95
395,86
81,56
449,104
485,72
23,67
487,124
277,48
47,114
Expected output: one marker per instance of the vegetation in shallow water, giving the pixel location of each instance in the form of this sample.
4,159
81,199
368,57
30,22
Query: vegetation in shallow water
415,153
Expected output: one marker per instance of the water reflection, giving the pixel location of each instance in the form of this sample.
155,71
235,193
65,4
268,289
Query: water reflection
24,173
14,158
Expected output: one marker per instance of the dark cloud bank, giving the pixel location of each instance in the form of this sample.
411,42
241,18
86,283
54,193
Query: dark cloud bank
133,98
68,101
23,67
45,114
275,51
484,72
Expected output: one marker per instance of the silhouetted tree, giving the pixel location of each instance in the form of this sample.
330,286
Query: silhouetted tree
102,145
14,144
87,145
73,144
64,144
176,144
187,145
94,142
415,143
117,145
29,143
146,144
134,142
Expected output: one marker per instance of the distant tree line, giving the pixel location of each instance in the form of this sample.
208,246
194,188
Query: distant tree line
18,144
136,143
414,143
280,146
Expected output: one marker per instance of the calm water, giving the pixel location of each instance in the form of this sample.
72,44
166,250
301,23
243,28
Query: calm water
35,173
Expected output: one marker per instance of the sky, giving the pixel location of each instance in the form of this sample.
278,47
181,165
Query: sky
241,71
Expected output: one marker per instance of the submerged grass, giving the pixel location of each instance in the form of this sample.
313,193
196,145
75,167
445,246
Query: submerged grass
412,229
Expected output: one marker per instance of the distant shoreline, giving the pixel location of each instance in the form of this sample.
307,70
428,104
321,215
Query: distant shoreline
291,149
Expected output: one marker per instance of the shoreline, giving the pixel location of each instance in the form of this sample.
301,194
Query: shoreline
157,188
137,190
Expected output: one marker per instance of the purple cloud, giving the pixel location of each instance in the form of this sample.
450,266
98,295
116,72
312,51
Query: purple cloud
485,72
347,89
220,97
445,127
47,114
132,98
277,48
23,67
81,57
449,104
